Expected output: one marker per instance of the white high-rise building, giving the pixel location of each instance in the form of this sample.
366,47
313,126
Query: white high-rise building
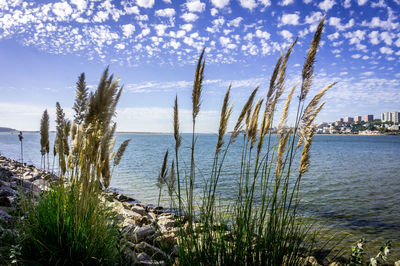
395,117
391,117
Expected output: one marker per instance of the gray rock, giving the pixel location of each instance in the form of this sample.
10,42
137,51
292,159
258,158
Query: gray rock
4,216
5,201
6,191
141,233
397,263
139,209
311,261
154,252
165,222
129,214
41,185
143,257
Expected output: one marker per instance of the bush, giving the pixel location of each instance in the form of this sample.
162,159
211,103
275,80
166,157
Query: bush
62,228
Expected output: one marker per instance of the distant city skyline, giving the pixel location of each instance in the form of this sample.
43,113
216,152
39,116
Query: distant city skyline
153,46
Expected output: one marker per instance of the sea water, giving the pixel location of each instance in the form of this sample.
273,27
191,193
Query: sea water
352,186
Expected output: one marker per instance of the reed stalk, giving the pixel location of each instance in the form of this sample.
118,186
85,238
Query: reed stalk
261,226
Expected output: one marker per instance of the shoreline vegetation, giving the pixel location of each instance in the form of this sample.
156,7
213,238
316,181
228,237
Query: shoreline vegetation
72,219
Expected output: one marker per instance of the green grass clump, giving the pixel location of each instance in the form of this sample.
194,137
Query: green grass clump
71,224
261,226
63,229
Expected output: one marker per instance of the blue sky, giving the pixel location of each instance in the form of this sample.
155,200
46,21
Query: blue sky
152,45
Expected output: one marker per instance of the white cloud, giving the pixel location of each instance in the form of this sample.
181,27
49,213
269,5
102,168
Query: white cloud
385,36
290,19
386,50
397,43
315,17
262,34
160,29
187,27
355,37
250,4
326,5
333,36
265,3
356,56
214,12
189,17
120,46
145,3
167,12
380,3
287,35
195,6
235,22
286,2
224,41
80,4
128,29
307,1
167,1
220,3
335,21
373,36
376,22
62,10
132,10
361,2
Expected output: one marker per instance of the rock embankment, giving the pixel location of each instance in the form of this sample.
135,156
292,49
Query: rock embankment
150,232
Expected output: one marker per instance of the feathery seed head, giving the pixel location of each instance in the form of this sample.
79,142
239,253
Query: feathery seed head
308,68
197,85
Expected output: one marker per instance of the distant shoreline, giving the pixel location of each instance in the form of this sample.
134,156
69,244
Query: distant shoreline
208,133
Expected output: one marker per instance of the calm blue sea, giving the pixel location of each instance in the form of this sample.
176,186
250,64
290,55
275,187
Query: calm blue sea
352,186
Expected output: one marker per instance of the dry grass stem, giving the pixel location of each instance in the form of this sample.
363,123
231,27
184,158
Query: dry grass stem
197,85
285,111
248,105
177,136
223,122
308,68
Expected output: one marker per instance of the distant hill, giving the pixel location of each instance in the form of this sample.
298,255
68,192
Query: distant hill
7,129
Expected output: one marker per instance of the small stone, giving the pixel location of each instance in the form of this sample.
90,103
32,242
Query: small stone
397,263
139,209
155,253
167,241
166,222
5,201
41,185
311,261
143,257
335,263
4,216
142,232
6,191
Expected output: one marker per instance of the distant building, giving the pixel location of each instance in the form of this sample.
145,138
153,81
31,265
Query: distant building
386,117
391,117
348,119
396,117
369,118
340,120
357,118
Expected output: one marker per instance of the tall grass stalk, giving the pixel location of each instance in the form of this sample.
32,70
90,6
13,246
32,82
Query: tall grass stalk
71,224
261,225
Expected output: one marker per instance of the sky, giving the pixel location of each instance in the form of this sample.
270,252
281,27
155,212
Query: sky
153,46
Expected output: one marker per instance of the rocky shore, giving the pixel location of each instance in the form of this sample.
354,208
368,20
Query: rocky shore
150,233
